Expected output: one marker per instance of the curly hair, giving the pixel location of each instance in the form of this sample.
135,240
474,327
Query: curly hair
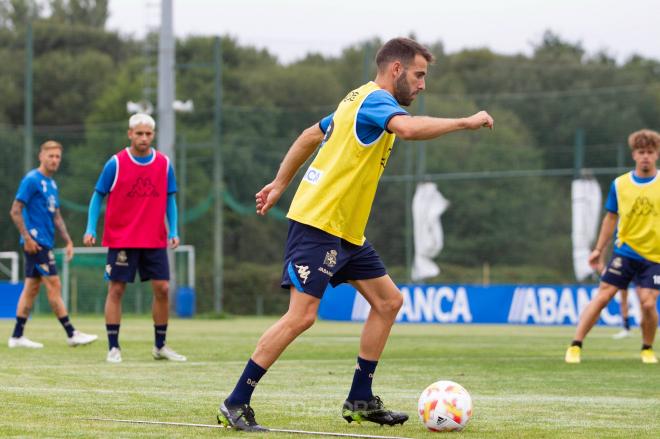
644,139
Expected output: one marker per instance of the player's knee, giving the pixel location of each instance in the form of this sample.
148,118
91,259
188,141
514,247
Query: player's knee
648,306
391,305
161,294
115,293
305,322
301,322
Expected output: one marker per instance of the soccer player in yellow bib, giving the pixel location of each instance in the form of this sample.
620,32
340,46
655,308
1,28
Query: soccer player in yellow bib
633,209
328,215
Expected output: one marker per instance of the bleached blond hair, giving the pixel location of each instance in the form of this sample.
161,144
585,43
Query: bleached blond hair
141,119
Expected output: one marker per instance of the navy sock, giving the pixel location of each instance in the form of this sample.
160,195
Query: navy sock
113,336
364,375
626,323
68,327
246,384
576,343
20,326
160,332
646,346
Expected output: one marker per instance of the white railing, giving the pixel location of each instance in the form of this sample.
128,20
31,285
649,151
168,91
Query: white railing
12,271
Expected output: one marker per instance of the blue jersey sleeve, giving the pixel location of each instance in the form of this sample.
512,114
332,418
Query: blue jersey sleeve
107,177
612,205
26,189
171,181
375,113
172,216
93,213
325,122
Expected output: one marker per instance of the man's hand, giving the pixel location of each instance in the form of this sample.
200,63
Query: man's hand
68,251
596,261
174,242
479,120
267,197
30,245
89,239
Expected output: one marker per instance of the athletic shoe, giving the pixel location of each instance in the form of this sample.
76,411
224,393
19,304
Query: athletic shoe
573,354
648,356
373,411
621,334
114,356
165,353
23,342
80,338
239,417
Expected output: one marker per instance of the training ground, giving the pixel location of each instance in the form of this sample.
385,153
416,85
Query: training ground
516,375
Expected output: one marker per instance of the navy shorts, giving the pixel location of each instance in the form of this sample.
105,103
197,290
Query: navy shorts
314,258
41,263
122,264
621,271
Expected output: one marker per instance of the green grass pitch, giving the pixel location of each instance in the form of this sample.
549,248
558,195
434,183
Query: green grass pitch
516,375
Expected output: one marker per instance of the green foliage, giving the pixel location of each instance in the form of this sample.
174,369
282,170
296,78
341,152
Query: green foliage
84,75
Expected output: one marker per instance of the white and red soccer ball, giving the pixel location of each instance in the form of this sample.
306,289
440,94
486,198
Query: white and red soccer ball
445,406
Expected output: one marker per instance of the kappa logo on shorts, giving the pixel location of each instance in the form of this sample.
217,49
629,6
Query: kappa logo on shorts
122,258
303,272
617,262
108,269
51,255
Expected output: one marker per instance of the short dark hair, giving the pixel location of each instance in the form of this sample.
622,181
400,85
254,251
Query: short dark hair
643,139
401,49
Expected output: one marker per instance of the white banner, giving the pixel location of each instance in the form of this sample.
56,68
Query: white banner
427,206
586,202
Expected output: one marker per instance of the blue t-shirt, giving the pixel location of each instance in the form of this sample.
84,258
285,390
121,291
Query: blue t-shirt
612,205
39,195
109,173
377,109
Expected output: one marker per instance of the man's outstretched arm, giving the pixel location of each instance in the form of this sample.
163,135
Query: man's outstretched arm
425,127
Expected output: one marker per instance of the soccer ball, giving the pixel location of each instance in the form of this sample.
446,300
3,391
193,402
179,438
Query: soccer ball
445,406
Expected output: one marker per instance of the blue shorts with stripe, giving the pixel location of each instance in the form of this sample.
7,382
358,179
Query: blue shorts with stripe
314,258
41,263
621,270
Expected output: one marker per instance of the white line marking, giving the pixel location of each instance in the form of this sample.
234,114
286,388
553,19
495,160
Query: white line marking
275,430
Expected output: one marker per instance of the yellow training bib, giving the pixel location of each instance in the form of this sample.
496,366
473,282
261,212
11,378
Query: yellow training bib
338,189
639,215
